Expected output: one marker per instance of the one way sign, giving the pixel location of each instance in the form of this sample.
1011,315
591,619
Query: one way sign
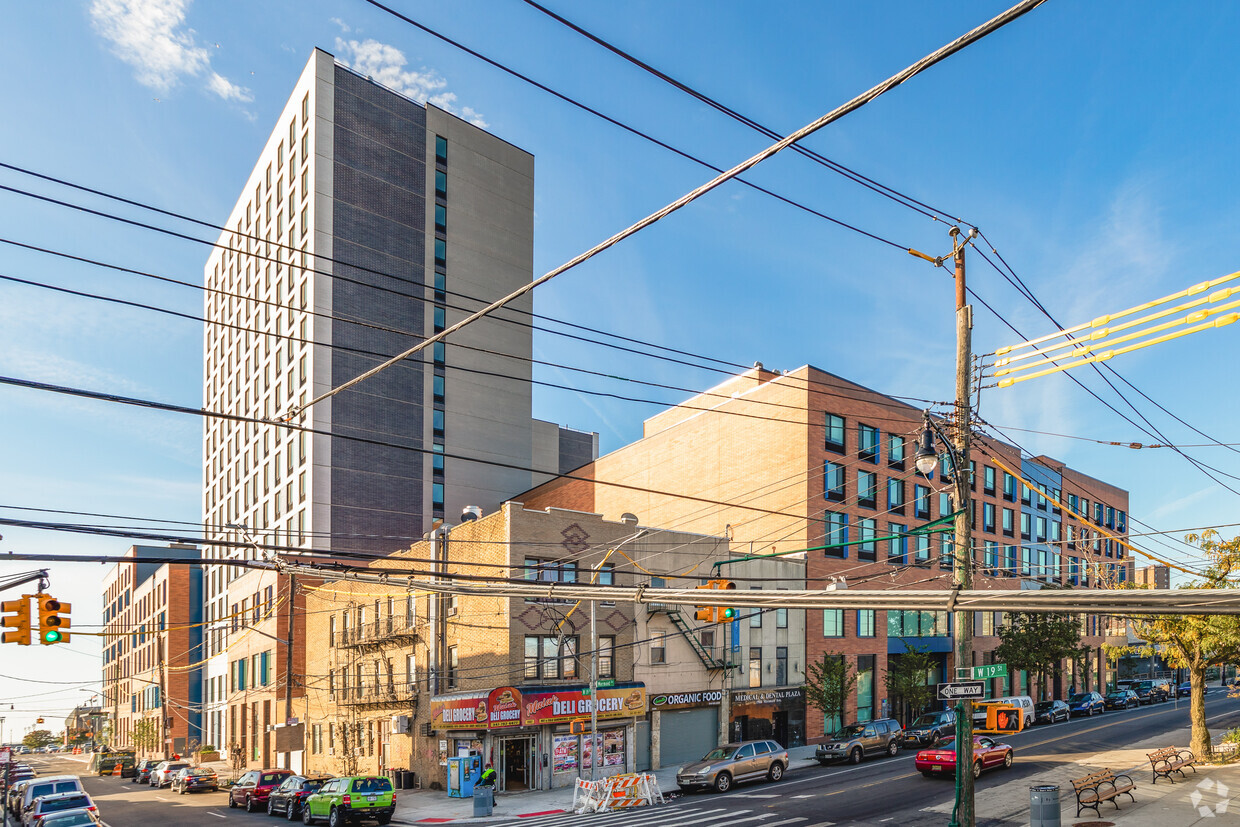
964,690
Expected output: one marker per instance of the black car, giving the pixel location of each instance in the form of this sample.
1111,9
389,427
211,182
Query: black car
142,772
1122,699
1048,712
1149,692
930,727
1185,689
288,798
191,779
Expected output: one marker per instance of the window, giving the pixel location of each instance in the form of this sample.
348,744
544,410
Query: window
837,532
921,501
755,666
835,433
1026,560
833,623
440,320
867,489
437,458
454,665
439,353
865,623
441,183
895,495
988,480
1009,529
833,481
922,547
865,688
991,560
441,218
441,149
1026,496
658,654
988,517
781,617
1041,529
438,388
607,656
781,665
437,495
867,531
1009,487
437,422
947,550
545,659
895,451
945,504
441,252
550,571
897,543
867,442
755,615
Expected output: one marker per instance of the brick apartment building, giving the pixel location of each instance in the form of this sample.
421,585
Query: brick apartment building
806,459
405,680
152,652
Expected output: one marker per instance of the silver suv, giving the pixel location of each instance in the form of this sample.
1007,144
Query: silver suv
856,741
740,761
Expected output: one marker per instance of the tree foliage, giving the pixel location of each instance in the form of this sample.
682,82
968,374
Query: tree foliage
1197,642
908,680
145,734
1038,643
829,683
38,738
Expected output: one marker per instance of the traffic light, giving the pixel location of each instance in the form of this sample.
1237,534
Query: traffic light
706,613
724,614
53,628
18,621
38,720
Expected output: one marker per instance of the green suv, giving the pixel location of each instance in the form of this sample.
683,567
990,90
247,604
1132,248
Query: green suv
352,798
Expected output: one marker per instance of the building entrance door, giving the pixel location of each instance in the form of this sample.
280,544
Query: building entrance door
517,768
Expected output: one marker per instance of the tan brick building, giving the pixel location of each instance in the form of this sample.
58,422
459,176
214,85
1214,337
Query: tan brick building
808,460
406,680
152,652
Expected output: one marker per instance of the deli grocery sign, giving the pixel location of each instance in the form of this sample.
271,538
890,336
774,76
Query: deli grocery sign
508,706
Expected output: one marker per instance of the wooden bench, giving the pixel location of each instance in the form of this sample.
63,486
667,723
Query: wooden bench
1165,761
1101,786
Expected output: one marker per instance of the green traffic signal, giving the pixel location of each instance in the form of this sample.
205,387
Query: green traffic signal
728,614
51,636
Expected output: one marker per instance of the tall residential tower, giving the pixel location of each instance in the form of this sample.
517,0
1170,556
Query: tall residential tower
369,222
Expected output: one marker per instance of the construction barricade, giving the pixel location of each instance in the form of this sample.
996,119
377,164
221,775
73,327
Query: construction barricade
616,792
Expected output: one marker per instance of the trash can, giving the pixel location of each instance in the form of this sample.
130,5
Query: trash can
483,800
406,779
1044,805
398,779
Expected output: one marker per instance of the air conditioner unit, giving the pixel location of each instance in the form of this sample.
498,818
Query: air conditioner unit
331,750
400,724
427,732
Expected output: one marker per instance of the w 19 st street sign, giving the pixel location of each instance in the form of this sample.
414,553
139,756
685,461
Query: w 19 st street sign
962,691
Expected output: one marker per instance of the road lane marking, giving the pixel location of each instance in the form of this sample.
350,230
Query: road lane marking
757,795
785,821
822,824
217,815
807,795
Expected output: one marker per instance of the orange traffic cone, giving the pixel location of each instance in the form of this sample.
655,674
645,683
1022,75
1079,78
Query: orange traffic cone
116,771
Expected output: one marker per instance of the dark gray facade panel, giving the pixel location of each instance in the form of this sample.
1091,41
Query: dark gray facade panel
576,449
378,224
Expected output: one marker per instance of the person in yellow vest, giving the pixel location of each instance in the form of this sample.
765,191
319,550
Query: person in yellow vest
487,779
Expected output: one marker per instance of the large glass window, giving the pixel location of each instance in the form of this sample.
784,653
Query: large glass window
867,531
837,532
755,667
897,543
895,450
833,481
988,517
833,623
781,665
921,501
867,489
1009,487
835,432
988,479
1009,528
865,688
865,623
1025,523
895,495
867,442
546,658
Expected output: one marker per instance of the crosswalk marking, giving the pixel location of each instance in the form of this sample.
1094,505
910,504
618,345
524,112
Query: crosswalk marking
627,818
756,795
807,795
822,824
785,821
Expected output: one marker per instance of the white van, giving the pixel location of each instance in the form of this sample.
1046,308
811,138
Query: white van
1022,702
48,785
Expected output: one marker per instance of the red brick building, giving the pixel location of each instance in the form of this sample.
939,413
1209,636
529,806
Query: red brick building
805,460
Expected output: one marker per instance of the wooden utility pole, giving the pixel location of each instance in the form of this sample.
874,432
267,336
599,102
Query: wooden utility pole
288,669
962,568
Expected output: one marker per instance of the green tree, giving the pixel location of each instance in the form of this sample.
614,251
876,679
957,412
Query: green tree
38,738
1197,642
908,680
1038,643
145,734
828,685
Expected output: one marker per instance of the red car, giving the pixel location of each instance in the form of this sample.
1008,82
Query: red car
941,760
253,788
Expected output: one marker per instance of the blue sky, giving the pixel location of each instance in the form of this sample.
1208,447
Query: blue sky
1092,142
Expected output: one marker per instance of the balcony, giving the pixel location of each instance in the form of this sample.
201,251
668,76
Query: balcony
394,630
370,696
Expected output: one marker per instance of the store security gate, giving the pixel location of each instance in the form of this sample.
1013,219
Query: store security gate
687,734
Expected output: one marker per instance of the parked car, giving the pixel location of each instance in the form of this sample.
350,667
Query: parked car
739,761
34,813
358,797
1122,699
929,727
142,771
192,779
289,797
941,760
856,741
47,785
252,789
1049,712
13,796
1086,703
1185,689
1149,692
104,763
162,775
73,818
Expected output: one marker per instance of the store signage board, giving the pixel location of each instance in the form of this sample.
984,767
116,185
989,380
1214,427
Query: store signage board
963,691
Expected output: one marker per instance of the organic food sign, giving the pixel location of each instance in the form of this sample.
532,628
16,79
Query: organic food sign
552,706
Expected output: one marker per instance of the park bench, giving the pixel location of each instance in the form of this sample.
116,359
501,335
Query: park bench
1101,786
1165,761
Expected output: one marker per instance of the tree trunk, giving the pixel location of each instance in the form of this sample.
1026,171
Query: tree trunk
1200,741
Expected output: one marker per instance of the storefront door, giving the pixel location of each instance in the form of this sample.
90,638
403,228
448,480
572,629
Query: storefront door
517,767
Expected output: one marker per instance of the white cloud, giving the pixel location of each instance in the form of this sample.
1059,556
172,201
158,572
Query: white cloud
386,64
151,36
344,27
